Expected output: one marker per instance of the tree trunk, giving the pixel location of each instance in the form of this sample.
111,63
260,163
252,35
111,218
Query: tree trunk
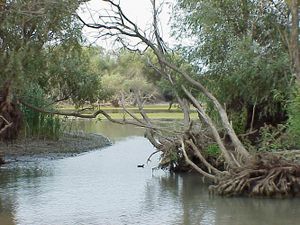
295,39
11,116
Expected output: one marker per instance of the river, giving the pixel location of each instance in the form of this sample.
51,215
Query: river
105,187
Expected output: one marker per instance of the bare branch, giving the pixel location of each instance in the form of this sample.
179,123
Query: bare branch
7,124
201,157
152,154
88,116
198,169
128,112
210,123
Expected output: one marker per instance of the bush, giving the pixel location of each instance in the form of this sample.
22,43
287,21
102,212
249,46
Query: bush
273,138
294,119
213,150
239,120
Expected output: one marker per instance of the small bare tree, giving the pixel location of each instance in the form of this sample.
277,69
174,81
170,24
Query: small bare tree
115,24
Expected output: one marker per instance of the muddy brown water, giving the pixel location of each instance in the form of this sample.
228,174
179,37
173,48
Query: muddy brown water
105,187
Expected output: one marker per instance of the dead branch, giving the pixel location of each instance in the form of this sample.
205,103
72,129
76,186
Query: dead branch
201,157
123,27
127,111
7,124
209,122
152,154
87,116
190,162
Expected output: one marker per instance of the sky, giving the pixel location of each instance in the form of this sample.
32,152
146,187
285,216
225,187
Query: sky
139,11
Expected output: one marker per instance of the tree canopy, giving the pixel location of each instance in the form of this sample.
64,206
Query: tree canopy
244,59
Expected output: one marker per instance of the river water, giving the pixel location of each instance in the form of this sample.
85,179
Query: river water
106,187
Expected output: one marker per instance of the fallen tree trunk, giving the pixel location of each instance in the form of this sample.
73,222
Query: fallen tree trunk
234,171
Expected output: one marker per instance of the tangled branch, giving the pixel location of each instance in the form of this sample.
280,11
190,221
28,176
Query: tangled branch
6,126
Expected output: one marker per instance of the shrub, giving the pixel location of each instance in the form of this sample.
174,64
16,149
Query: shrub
294,119
213,150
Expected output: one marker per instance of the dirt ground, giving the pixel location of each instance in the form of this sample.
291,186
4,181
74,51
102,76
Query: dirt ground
67,145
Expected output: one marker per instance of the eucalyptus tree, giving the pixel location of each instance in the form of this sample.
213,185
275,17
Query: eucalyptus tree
41,54
242,172
244,48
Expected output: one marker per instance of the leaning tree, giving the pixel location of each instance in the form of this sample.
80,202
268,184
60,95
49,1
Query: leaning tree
237,171
41,60
240,172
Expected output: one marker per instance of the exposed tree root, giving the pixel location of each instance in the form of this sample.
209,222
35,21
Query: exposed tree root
265,175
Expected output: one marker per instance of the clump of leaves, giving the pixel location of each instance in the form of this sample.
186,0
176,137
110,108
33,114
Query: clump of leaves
294,119
273,138
239,120
213,150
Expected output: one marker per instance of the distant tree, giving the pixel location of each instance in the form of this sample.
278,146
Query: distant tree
126,75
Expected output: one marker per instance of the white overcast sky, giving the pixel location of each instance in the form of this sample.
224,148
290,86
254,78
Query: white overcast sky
138,11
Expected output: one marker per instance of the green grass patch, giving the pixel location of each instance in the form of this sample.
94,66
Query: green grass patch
175,116
159,111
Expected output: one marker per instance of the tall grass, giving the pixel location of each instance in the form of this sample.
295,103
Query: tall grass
38,124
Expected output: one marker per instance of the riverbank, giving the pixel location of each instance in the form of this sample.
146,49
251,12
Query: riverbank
69,144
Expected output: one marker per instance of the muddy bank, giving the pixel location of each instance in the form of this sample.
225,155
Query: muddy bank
69,144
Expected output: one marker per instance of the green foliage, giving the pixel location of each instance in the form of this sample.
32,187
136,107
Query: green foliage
27,27
294,119
273,138
41,54
242,59
127,72
39,124
41,44
239,120
213,150
70,74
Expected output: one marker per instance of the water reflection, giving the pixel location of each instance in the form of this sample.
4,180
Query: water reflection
115,132
190,203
